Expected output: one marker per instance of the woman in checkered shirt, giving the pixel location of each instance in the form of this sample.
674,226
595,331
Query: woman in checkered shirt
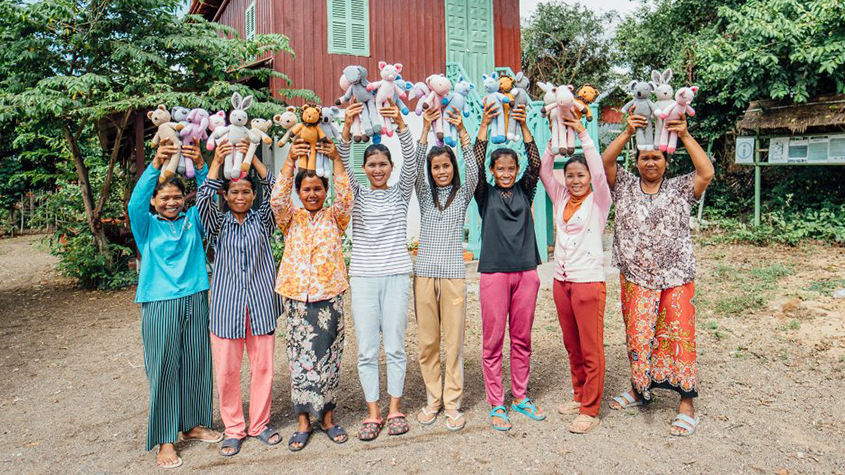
439,271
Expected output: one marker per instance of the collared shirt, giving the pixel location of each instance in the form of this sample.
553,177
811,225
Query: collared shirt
243,265
172,255
312,266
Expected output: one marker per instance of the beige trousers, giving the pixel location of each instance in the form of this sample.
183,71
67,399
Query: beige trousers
440,305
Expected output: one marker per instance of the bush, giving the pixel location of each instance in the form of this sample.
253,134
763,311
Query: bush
826,224
80,260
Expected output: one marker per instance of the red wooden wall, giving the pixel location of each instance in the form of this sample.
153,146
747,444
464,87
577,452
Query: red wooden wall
411,32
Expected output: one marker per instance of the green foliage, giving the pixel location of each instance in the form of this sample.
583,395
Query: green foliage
567,44
750,289
827,286
80,260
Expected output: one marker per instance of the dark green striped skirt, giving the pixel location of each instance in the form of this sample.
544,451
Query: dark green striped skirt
177,358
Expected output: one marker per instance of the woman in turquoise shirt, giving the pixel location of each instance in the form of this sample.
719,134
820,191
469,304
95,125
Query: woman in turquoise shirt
173,293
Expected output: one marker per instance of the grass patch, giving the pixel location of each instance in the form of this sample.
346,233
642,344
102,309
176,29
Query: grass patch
740,304
825,287
752,288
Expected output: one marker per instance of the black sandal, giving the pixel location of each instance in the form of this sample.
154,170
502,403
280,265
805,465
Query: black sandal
299,438
334,431
268,434
231,444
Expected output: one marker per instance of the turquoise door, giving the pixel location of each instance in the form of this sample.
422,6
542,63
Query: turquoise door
469,36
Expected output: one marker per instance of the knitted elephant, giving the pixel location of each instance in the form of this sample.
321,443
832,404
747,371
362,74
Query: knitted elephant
681,106
519,91
491,87
355,81
195,133
663,93
458,104
286,120
259,129
328,116
386,89
166,130
641,105
234,133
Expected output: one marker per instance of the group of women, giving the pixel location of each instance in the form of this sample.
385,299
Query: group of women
184,328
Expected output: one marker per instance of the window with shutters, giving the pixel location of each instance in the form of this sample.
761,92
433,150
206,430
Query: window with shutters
249,21
349,27
357,157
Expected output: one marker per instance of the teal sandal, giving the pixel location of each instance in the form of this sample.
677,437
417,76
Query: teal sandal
500,412
528,409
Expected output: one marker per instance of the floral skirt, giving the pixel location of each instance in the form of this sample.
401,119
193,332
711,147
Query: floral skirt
660,334
315,346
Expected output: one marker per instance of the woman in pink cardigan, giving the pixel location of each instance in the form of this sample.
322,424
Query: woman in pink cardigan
579,288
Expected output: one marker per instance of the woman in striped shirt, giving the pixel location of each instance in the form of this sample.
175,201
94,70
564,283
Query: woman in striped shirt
173,293
379,271
439,270
244,307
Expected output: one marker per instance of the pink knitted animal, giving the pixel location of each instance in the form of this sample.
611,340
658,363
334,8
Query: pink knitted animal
419,91
214,121
386,89
194,133
440,86
681,106
564,140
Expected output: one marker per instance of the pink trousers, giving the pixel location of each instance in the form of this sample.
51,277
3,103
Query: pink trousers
228,354
507,299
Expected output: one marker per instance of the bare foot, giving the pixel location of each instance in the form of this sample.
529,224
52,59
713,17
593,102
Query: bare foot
202,433
167,456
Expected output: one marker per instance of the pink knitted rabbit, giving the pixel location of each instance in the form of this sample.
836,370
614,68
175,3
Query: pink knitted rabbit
386,89
681,106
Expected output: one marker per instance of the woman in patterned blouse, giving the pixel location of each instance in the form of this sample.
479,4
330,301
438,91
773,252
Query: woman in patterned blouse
439,270
653,249
312,279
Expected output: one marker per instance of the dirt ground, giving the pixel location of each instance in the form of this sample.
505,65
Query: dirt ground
771,342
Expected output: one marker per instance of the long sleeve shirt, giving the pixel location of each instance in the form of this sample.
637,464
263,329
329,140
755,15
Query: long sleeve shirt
380,218
172,254
244,270
579,256
313,266
440,253
508,242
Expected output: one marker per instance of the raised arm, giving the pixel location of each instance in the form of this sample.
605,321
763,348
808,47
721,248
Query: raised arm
703,166
479,150
408,175
611,153
343,148
139,203
209,212
601,190
532,174
431,114
554,187
341,210
280,201
470,162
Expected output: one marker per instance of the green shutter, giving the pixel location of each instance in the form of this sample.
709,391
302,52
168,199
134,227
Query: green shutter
249,22
349,27
357,158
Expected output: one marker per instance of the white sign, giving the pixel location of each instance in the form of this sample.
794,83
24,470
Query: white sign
798,149
777,149
817,150
836,152
744,153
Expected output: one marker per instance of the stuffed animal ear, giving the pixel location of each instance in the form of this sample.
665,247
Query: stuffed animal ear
495,75
246,103
471,86
150,115
290,109
694,88
335,110
277,118
667,75
381,65
484,77
571,87
236,100
398,67
657,77
519,76
161,106
632,85
221,113
652,85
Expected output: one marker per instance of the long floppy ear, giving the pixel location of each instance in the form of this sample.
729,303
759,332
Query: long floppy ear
191,115
657,77
247,103
667,75
398,67
236,100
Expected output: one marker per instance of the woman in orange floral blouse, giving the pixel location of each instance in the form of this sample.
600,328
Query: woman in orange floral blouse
312,279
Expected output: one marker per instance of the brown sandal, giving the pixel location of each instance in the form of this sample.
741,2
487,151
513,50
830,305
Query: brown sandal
397,424
370,429
593,422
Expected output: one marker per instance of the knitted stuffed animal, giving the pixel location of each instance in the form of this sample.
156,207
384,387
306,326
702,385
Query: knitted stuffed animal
215,121
457,103
419,91
506,87
355,82
234,133
259,129
180,116
564,139
681,106
641,105
328,116
286,120
583,98
520,98
663,93
491,86
439,85
166,130
405,86
310,131
194,133
386,88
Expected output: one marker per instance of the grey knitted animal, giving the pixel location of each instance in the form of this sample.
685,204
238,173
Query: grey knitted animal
641,105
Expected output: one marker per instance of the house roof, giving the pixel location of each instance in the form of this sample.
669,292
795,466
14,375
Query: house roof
210,9
820,114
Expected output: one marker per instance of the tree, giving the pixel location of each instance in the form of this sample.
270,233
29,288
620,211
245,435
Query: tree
567,44
68,64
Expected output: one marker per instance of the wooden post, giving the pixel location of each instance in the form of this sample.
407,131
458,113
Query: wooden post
139,144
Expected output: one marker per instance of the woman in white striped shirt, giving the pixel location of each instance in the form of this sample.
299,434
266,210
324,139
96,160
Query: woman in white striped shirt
379,272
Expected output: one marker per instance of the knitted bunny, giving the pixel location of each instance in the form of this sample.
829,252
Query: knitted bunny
286,120
491,86
663,93
519,91
194,133
259,129
405,86
419,91
234,133
439,85
180,116
681,106
166,130
564,103
457,103
354,83
641,105
386,88
329,114
216,120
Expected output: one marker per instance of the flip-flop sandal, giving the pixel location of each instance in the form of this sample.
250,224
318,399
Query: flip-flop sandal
593,423
625,401
450,422
232,443
425,414
213,440
500,412
299,438
335,431
397,424
528,409
687,423
570,408
176,464
268,434
370,429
